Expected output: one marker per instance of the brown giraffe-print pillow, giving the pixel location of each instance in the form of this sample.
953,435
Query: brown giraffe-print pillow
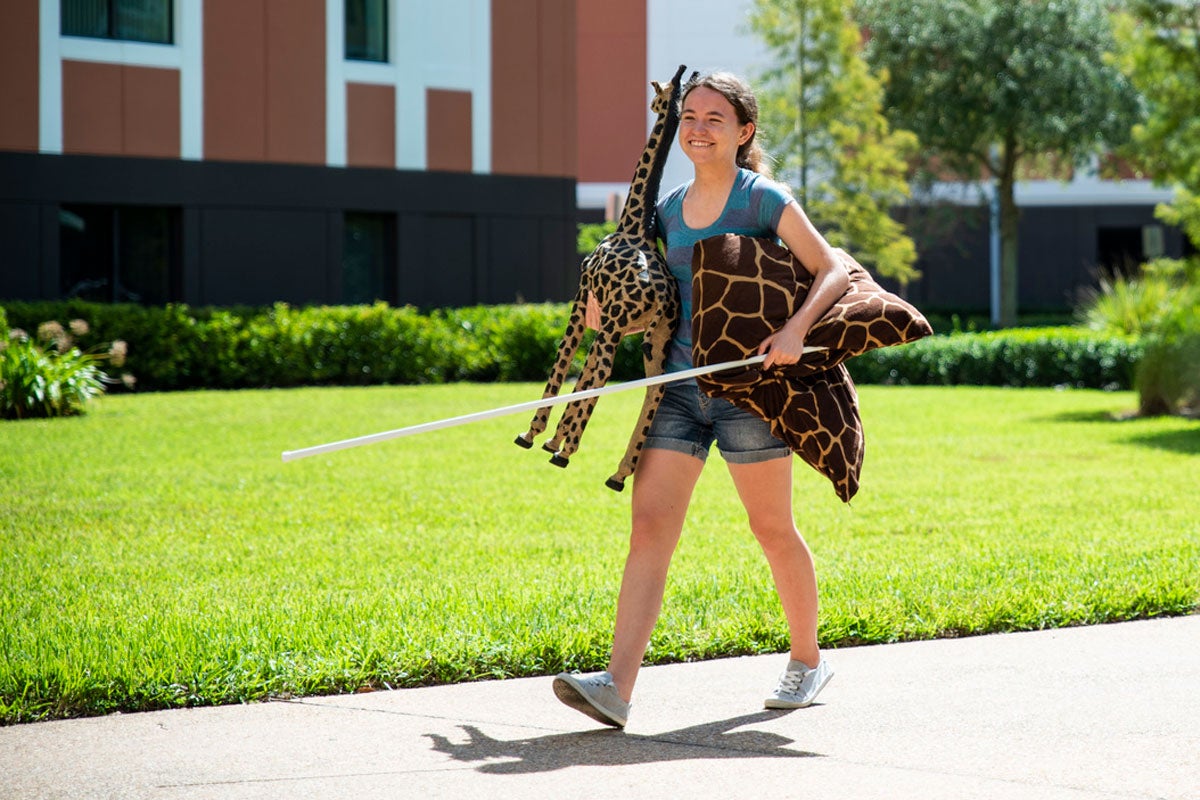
743,289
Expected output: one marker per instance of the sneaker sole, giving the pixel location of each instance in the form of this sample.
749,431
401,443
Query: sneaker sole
775,703
568,694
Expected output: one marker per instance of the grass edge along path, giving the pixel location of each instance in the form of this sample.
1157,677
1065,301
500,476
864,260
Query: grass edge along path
157,553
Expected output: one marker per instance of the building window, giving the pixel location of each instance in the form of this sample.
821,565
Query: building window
366,30
1119,251
119,254
128,20
367,246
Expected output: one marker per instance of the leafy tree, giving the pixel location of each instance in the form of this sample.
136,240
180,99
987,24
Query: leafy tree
986,84
1160,51
822,108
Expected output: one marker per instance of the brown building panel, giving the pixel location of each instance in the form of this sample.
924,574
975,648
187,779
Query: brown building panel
612,86
92,106
370,125
515,98
557,61
533,87
295,81
235,92
19,76
448,130
150,112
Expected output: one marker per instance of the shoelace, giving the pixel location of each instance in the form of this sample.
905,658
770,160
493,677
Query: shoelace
596,681
791,680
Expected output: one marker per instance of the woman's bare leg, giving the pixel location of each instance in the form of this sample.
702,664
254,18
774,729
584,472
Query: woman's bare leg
662,489
765,488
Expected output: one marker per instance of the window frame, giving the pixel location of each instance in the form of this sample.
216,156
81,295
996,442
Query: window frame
111,34
385,7
382,272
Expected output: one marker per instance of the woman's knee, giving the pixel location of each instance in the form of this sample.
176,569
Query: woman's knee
654,532
774,531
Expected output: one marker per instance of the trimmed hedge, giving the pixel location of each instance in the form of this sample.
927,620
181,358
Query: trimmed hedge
178,347
1015,357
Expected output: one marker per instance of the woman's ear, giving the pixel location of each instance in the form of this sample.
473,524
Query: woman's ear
745,134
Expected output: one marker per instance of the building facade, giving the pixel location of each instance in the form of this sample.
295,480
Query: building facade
222,152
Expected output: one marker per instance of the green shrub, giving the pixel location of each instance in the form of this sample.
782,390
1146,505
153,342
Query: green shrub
1127,305
1014,357
54,379
176,347
589,235
1161,305
1168,375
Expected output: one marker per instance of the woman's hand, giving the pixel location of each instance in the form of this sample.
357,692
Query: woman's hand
784,347
591,315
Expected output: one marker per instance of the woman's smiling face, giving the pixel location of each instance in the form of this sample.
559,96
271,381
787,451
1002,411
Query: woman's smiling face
709,131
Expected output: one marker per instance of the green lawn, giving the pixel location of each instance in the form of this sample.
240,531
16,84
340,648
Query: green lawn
157,552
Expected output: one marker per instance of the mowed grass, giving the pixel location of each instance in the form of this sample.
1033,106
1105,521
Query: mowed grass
157,552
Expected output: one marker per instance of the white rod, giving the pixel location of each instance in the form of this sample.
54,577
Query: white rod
532,405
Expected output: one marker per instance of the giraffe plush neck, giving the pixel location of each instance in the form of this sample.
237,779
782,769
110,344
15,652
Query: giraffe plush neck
635,290
638,213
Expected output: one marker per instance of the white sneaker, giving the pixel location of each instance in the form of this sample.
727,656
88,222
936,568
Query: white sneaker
799,685
594,695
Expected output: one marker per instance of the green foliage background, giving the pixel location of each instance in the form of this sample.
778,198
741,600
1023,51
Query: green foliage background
822,119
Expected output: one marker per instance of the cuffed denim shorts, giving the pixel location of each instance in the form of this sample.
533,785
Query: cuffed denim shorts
688,421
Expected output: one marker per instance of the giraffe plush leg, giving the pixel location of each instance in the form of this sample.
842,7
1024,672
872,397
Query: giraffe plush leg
566,352
634,450
655,344
575,418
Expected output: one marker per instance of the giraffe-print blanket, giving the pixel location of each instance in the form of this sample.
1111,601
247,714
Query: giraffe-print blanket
744,289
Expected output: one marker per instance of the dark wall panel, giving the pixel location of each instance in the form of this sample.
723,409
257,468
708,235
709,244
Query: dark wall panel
510,277
952,256
257,233
1052,236
444,275
20,267
559,267
1058,253
258,257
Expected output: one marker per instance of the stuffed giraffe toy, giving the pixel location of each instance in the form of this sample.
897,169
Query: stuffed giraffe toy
635,291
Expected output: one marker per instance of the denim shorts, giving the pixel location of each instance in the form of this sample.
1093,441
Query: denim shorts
688,421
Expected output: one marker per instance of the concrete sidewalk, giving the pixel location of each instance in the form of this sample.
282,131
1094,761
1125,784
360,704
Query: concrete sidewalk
1101,712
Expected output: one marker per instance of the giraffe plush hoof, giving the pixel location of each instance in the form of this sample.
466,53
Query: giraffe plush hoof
615,485
523,442
560,461
550,448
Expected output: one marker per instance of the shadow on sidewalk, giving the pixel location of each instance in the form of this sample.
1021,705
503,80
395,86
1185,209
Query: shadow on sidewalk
611,747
